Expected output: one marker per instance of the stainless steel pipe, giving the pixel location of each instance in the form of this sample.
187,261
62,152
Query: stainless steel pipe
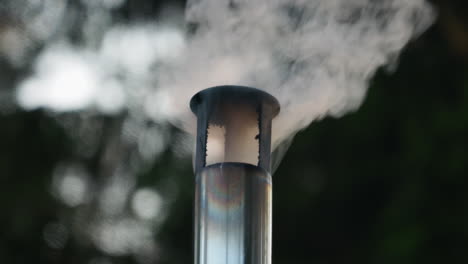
233,215
232,168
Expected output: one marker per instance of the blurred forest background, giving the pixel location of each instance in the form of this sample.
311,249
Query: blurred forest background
386,184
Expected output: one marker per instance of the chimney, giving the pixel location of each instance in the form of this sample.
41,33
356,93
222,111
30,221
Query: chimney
233,181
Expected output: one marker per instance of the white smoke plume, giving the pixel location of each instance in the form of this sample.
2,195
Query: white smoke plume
316,57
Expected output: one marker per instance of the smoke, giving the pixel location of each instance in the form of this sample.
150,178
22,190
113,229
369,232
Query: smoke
316,56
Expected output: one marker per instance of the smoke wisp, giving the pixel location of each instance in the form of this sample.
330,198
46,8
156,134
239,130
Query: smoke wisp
316,56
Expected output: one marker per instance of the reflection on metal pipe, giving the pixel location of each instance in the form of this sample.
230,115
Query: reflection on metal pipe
233,214
233,182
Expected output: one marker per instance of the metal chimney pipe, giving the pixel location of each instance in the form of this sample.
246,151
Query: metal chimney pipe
233,182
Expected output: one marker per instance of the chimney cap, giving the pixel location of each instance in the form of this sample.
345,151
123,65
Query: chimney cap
236,95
